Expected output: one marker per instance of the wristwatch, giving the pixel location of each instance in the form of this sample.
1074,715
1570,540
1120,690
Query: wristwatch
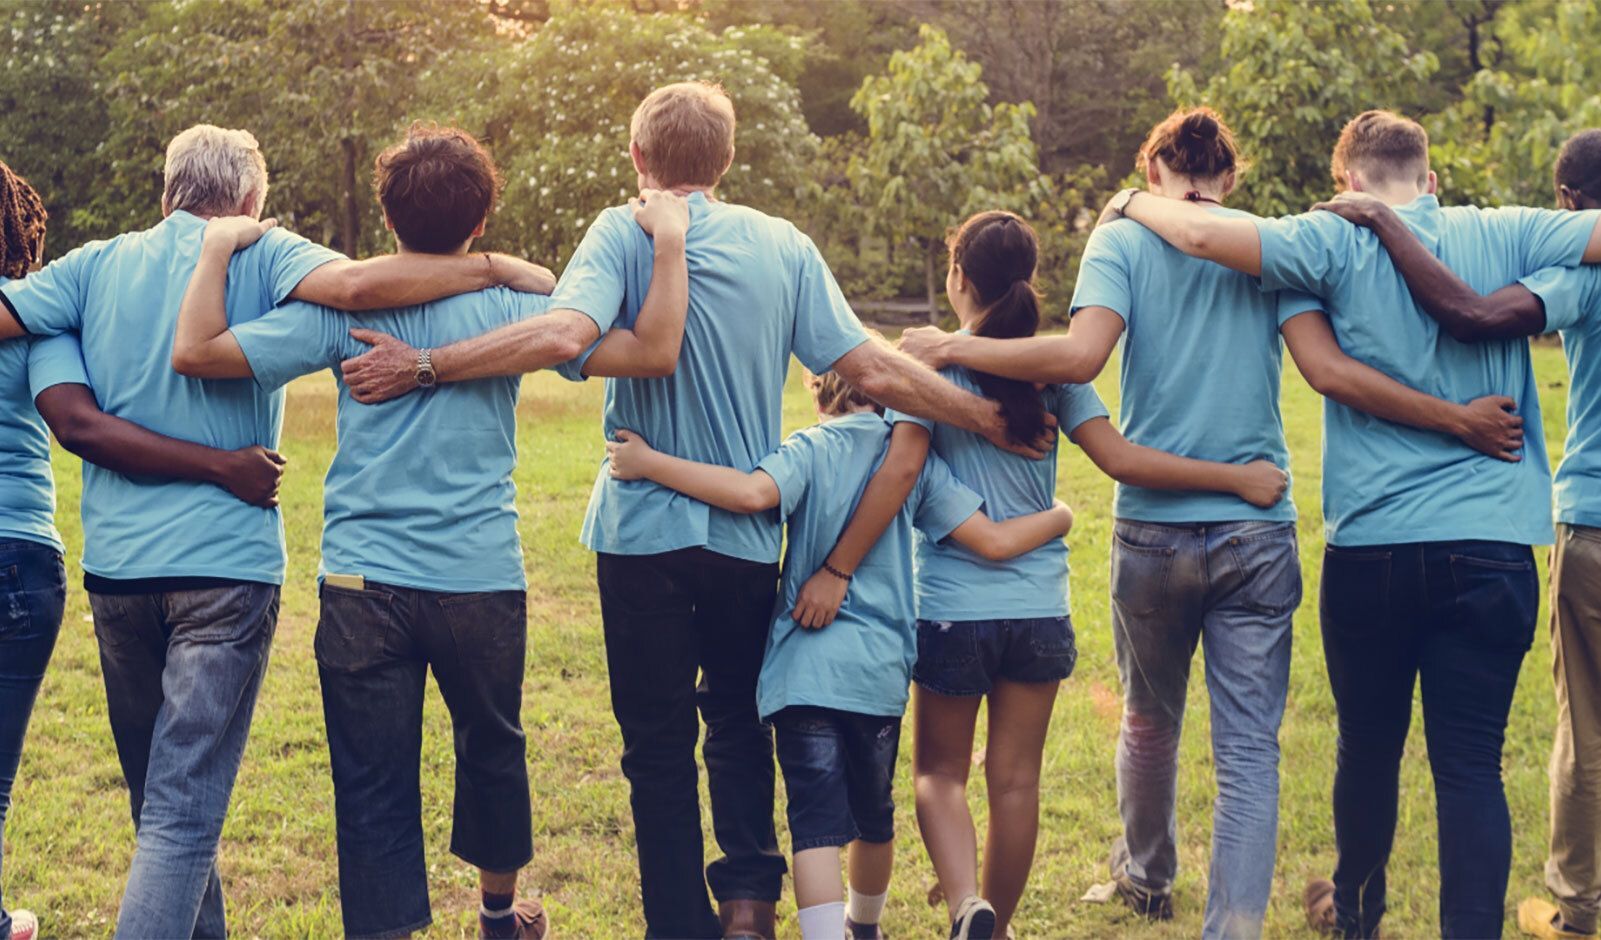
426,377
1119,203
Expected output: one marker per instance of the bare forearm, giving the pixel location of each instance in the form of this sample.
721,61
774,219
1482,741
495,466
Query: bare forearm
1370,391
723,487
900,382
201,347
1444,296
650,349
122,446
526,346
401,280
1023,534
882,500
1046,359
1230,241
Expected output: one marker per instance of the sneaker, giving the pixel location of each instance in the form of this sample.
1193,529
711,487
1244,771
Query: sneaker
1318,899
1151,905
974,920
24,925
855,931
1541,919
526,921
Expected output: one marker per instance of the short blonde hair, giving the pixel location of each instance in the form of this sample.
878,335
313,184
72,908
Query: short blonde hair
210,170
685,133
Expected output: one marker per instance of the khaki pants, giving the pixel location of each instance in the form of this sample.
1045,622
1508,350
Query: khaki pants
1573,871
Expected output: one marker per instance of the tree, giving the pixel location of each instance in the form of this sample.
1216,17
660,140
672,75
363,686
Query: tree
1295,74
937,151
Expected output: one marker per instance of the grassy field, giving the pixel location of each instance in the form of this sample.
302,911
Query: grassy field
69,838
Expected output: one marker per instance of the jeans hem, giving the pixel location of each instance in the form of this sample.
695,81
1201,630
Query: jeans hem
745,895
948,691
389,933
824,842
493,867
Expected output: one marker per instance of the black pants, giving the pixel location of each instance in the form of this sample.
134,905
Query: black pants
1459,616
669,618
374,650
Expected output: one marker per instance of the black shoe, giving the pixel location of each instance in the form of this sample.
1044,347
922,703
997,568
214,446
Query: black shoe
1151,905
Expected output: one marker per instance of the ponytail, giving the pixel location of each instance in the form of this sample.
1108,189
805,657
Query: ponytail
22,220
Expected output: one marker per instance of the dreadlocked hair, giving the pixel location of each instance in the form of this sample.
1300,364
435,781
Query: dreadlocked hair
22,219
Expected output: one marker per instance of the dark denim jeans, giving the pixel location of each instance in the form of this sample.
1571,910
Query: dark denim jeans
839,774
1232,587
669,618
1460,616
374,649
33,591
182,671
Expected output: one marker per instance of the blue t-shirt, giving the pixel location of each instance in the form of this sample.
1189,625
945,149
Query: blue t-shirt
1201,364
122,296
862,662
1572,299
758,291
955,583
420,492
1385,483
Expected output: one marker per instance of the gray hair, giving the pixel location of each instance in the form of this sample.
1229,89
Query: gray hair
210,170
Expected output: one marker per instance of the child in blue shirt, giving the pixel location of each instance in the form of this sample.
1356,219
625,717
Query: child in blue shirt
836,696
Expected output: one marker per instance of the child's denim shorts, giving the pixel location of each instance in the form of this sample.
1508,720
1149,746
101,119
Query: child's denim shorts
966,657
839,769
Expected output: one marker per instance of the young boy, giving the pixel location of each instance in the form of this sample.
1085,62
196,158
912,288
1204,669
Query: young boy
836,696
421,564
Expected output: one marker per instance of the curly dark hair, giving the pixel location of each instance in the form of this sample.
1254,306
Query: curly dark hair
22,219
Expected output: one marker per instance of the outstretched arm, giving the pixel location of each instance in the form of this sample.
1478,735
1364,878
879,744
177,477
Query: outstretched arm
1488,425
251,473
650,349
1260,482
416,278
998,541
1229,240
1467,316
818,601
1075,358
631,458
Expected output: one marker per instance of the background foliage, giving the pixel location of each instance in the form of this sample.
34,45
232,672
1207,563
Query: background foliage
876,124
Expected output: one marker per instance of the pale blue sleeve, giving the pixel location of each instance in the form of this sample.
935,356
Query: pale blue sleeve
55,360
1311,252
595,282
286,259
826,328
52,299
1293,303
791,467
1548,237
943,502
294,340
1570,295
1076,404
896,417
1104,277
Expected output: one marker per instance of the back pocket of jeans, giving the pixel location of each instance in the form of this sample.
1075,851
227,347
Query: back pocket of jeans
1355,598
488,627
353,631
14,618
1270,572
1139,576
1497,599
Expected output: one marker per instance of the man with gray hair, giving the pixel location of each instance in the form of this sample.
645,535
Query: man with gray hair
183,579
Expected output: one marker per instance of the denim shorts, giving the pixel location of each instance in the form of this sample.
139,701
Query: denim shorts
839,770
966,657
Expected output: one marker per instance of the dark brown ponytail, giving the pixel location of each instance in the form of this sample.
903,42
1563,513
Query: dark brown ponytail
1193,143
22,219
997,251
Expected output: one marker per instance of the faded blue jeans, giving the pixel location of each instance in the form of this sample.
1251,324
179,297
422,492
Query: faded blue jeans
1232,587
33,591
182,671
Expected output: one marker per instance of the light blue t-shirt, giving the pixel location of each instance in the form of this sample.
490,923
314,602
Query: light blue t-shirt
862,662
1572,299
420,492
1201,364
955,583
122,296
758,291
28,366
1384,483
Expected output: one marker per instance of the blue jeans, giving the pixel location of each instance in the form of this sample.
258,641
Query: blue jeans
182,670
33,591
1233,586
839,774
1459,616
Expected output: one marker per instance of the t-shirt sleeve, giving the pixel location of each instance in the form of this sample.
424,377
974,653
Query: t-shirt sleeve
1104,278
55,360
943,502
52,299
896,417
595,282
791,468
826,328
1310,252
1293,303
293,340
1076,404
1548,237
1570,295
288,258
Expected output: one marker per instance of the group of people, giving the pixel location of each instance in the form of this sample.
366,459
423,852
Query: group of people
925,557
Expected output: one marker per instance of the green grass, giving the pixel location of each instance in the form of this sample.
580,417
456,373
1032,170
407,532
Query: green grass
69,838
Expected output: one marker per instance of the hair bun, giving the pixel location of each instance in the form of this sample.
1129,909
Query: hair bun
1200,124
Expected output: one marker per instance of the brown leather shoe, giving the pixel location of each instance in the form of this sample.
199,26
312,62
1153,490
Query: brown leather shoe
748,920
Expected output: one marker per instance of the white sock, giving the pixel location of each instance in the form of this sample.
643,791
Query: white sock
822,921
867,908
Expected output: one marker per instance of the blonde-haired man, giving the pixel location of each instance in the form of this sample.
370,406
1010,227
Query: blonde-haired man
687,590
